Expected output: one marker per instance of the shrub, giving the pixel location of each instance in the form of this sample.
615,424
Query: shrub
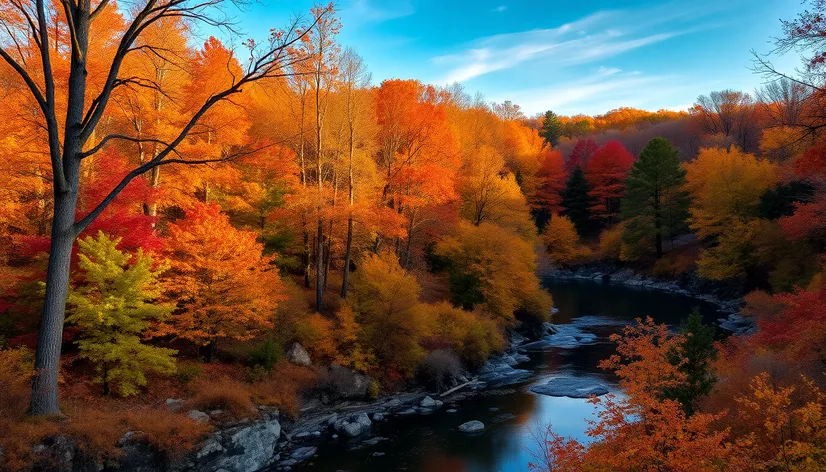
265,354
223,394
282,387
173,434
189,371
439,369
96,431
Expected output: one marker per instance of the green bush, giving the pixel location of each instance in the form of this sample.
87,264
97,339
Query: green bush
265,354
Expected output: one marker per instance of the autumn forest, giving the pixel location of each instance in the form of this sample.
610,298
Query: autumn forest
182,218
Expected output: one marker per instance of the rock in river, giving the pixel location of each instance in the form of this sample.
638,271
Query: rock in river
472,427
570,387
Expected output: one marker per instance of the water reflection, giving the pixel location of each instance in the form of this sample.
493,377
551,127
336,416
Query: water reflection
433,444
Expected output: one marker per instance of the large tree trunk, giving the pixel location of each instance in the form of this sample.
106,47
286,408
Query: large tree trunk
44,399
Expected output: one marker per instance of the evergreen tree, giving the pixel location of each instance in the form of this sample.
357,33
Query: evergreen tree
113,309
551,129
655,206
576,200
694,356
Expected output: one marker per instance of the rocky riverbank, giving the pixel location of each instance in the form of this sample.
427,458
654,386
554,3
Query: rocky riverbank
272,441
690,285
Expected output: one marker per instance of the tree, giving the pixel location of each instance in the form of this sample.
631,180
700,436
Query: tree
727,113
694,358
641,430
551,129
385,301
582,151
562,241
726,186
40,70
508,111
489,196
606,173
224,286
655,206
576,200
551,177
354,76
491,268
114,308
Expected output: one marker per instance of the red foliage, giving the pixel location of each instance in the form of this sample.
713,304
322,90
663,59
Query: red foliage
580,154
607,170
551,177
808,221
800,330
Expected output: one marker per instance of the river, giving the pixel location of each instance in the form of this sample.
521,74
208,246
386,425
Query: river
512,415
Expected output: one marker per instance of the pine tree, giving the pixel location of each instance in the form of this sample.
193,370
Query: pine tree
551,129
113,309
655,205
694,358
576,200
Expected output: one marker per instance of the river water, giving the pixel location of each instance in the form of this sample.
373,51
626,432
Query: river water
513,415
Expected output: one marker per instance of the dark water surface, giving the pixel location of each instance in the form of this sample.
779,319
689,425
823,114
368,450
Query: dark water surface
512,415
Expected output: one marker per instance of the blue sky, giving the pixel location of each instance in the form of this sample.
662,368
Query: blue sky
570,56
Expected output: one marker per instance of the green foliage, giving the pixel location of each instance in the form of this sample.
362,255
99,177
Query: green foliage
551,129
694,356
655,206
114,308
576,201
265,354
779,201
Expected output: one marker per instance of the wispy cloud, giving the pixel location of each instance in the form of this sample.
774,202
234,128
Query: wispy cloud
593,38
604,89
500,9
376,11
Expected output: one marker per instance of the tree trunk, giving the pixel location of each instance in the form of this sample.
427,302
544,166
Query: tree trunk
44,399
346,276
658,224
319,266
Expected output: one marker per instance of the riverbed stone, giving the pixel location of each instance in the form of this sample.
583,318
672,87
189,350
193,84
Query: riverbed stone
427,402
472,427
571,387
298,355
250,448
353,425
303,453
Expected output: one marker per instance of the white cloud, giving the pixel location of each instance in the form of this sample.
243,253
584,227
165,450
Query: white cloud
500,9
604,90
598,36
376,11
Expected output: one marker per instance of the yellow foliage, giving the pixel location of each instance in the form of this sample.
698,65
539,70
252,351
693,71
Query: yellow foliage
562,241
726,186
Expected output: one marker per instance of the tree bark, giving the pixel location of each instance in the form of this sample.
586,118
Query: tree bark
44,399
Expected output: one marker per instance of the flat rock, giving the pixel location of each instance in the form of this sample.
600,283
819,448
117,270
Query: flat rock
199,416
571,387
472,427
303,453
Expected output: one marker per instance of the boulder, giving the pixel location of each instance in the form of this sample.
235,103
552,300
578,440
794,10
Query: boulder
298,355
248,448
353,425
472,427
346,383
572,387
199,416
427,402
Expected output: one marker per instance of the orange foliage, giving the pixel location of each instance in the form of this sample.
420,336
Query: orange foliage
224,286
